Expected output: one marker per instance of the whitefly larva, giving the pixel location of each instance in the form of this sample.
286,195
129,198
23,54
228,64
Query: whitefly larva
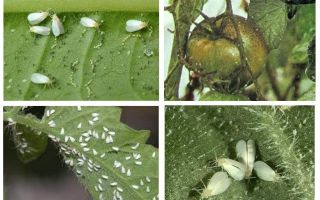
88,22
133,25
41,30
246,153
57,27
36,18
265,172
234,168
218,183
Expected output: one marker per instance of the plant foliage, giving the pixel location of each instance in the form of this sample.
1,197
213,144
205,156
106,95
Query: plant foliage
197,136
84,63
110,159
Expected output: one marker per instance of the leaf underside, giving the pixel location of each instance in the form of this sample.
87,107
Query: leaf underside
85,63
85,150
197,136
29,147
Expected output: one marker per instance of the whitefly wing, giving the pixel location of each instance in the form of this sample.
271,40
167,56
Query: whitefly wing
265,172
241,150
41,30
234,168
133,25
88,22
39,78
218,184
36,18
246,152
251,154
57,27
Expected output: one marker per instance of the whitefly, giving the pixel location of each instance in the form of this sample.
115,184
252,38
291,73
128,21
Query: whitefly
134,25
41,30
38,78
218,184
246,152
234,168
57,27
38,17
265,172
88,22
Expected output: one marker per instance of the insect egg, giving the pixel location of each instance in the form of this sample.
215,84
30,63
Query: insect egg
218,183
41,30
57,27
235,169
88,22
265,172
36,18
133,25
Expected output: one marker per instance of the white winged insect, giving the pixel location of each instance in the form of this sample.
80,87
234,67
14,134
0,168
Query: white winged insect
88,22
38,78
218,183
265,172
41,30
57,27
246,153
36,18
133,25
234,168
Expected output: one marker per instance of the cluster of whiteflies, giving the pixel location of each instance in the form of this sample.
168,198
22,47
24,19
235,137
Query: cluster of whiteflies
37,18
57,28
238,170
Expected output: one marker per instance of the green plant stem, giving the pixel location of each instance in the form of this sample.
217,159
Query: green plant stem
81,5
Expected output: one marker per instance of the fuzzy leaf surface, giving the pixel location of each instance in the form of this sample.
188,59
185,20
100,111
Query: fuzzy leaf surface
197,136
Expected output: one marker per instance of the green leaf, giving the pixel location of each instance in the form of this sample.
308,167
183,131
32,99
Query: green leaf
299,54
271,18
308,95
30,145
198,135
94,160
86,64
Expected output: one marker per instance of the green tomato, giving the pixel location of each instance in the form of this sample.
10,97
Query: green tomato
215,52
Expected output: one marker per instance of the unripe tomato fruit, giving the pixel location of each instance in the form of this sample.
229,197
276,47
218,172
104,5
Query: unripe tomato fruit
215,51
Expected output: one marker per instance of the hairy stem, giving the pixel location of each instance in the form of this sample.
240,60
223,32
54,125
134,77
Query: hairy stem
81,5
